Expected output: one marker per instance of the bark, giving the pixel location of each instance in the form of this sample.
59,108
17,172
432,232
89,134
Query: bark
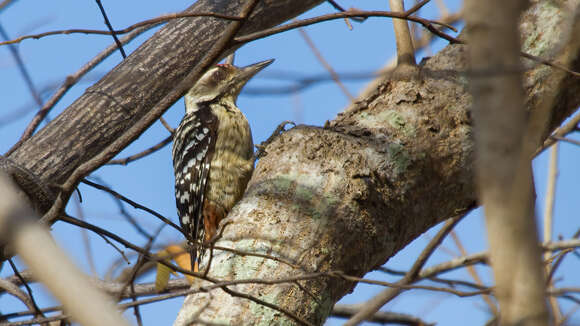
348,196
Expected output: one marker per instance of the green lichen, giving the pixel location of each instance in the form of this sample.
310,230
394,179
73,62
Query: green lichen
540,38
329,201
268,316
397,120
394,119
391,118
304,192
282,183
400,157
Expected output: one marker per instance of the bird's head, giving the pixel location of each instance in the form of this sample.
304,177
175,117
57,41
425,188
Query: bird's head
224,81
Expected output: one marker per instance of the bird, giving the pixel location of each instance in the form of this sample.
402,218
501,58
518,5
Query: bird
212,153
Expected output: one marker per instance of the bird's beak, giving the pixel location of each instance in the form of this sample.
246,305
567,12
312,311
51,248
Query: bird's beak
249,71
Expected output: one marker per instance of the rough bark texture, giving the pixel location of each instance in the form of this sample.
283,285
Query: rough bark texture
109,107
348,196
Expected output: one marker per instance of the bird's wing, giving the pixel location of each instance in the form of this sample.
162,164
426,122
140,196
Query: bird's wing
194,141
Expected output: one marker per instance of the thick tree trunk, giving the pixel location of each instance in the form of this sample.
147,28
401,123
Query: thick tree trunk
348,196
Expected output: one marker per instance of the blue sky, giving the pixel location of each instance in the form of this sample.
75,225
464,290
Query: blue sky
150,181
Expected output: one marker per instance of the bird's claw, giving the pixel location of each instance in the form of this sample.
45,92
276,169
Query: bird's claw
261,148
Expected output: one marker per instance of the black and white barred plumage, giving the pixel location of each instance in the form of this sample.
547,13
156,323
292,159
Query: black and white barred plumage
212,153
194,143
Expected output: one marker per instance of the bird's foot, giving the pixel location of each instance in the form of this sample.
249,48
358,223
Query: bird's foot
261,148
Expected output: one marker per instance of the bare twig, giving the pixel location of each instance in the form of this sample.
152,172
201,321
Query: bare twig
4,4
22,68
132,203
548,223
84,234
471,270
110,27
267,304
325,64
338,7
151,150
399,286
37,321
567,140
550,63
166,125
416,7
428,24
37,311
449,282
562,131
131,280
12,289
381,317
146,23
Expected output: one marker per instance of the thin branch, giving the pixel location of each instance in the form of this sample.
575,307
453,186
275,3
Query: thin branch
450,282
471,270
85,236
12,289
325,64
562,131
256,254
131,280
557,259
166,125
548,224
427,23
128,216
460,262
567,140
149,288
338,7
267,304
145,23
110,27
123,274
22,68
37,321
151,150
550,63
399,286
37,311
381,317
416,7
102,232
132,203
4,4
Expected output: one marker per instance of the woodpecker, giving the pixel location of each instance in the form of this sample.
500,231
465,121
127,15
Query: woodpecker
212,153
